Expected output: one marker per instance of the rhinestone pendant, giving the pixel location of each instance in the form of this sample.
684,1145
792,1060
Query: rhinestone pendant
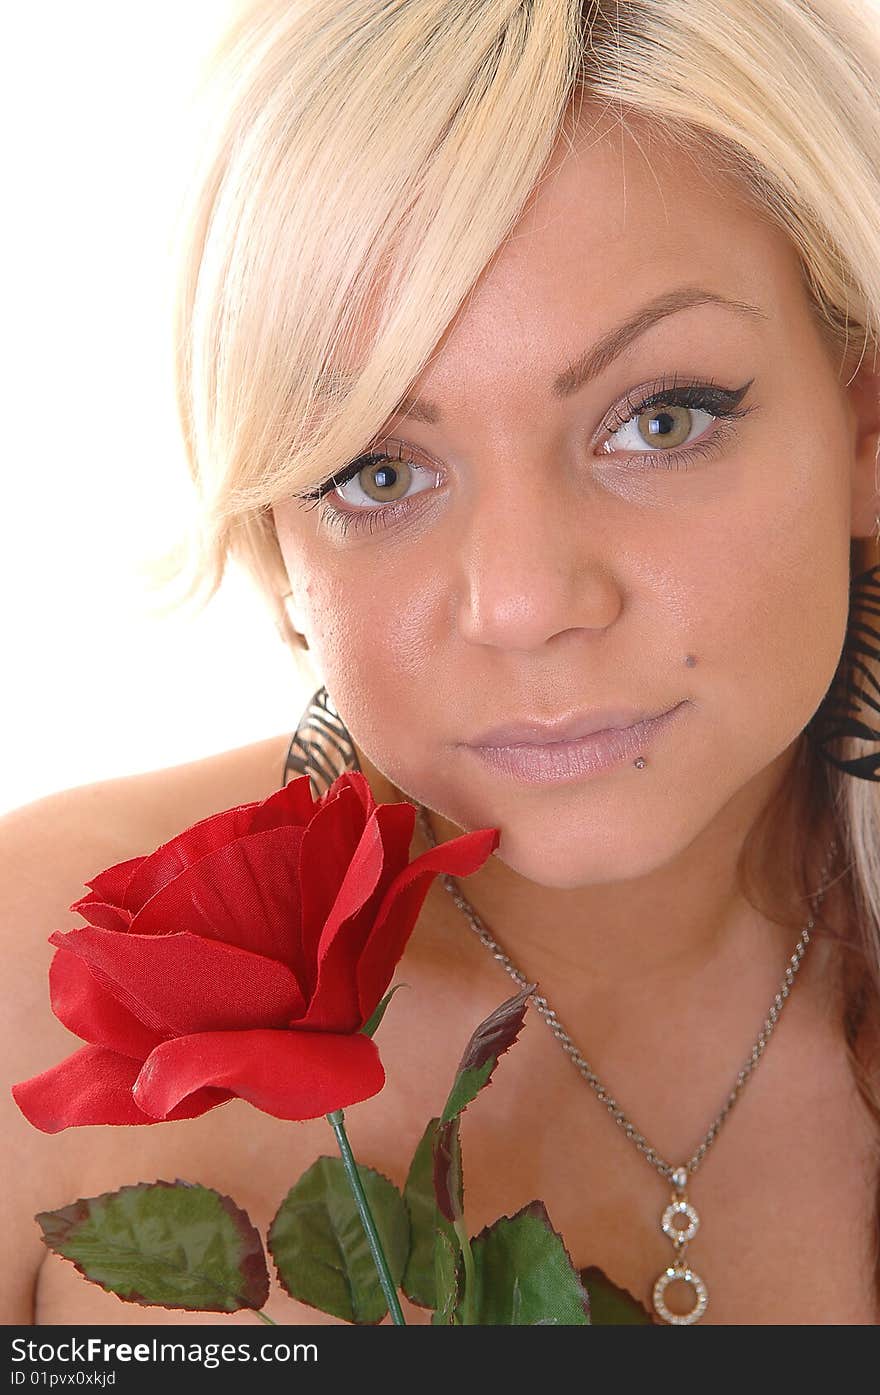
680,1271
680,1235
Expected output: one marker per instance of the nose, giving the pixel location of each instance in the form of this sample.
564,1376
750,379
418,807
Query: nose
535,559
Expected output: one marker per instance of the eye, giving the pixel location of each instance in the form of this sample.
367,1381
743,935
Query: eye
663,424
382,478
657,427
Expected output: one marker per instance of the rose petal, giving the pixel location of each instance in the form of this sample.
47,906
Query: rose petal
383,850
329,846
109,886
100,913
94,1086
292,804
181,983
289,1074
92,1012
183,850
246,894
351,779
403,901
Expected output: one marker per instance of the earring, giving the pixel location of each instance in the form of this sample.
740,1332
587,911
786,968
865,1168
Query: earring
321,746
851,707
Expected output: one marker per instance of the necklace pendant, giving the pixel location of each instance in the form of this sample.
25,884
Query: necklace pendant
680,1271
680,1235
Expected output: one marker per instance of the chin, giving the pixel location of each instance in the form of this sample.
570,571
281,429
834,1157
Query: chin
565,843
584,833
570,859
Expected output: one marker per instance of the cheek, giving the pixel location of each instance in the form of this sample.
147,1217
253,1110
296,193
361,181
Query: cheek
375,639
770,597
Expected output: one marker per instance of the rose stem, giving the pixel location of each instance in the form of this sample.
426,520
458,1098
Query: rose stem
388,1288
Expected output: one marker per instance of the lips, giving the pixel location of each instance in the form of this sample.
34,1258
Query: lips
534,732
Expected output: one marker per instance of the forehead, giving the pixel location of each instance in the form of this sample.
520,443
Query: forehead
624,212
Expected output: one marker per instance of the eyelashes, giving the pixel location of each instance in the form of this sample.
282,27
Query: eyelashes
723,404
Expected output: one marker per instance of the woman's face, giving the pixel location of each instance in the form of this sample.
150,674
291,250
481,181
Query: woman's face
547,546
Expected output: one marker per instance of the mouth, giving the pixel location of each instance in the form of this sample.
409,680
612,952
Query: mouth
541,758
541,731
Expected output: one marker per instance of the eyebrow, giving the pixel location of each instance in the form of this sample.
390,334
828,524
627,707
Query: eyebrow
597,358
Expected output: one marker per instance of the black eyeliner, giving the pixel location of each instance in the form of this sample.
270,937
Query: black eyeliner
372,457
708,396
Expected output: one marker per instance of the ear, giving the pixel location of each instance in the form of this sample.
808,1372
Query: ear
296,616
863,393
287,583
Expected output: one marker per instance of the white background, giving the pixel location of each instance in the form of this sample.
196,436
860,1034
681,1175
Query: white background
94,99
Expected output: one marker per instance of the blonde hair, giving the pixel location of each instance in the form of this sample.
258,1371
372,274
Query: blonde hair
367,160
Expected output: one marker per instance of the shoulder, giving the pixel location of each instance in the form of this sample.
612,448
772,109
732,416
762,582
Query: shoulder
152,805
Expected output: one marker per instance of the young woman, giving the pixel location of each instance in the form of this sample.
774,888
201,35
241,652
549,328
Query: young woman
529,359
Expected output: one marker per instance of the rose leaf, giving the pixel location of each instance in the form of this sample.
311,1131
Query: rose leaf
426,1219
163,1244
320,1247
611,1306
448,1280
489,1041
369,1027
524,1276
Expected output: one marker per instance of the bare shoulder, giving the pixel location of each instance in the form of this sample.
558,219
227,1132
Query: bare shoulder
154,805
48,849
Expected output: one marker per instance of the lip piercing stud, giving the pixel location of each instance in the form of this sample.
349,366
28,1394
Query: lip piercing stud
640,762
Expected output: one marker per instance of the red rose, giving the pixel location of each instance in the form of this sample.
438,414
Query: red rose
241,958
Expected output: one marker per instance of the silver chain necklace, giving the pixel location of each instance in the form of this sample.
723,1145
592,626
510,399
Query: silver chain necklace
679,1221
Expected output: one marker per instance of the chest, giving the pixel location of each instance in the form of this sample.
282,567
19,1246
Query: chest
786,1194
785,1201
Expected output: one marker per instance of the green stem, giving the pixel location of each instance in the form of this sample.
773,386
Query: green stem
264,1317
388,1288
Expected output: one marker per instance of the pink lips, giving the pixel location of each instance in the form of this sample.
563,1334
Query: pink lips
527,752
536,733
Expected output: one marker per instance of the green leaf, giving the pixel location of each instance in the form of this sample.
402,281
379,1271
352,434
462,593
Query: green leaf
611,1306
373,1021
448,1280
490,1040
524,1275
320,1247
163,1244
468,1084
448,1175
419,1277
